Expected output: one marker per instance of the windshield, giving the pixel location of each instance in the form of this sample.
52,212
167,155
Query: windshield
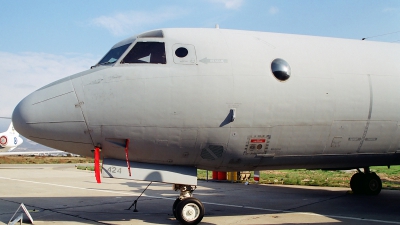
113,55
146,52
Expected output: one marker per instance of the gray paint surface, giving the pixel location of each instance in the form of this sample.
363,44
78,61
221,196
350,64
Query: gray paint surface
339,108
113,168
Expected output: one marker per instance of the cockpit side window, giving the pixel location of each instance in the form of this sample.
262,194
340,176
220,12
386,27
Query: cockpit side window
146,52
113,55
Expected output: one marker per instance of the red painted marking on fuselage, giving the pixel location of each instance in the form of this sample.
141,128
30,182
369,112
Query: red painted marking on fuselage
259,140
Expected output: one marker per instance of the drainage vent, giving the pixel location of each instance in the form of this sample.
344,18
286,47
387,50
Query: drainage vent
212,152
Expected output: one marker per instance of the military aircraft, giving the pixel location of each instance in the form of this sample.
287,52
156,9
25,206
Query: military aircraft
163,103
9,139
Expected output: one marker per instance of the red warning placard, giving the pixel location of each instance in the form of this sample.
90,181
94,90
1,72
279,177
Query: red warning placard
257,140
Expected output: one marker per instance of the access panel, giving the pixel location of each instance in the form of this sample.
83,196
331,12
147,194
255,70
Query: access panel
174,174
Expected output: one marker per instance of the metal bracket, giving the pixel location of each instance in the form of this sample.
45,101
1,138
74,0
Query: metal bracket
233,114
136,201
185,190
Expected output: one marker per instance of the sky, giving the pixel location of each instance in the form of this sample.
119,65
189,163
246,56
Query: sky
42,41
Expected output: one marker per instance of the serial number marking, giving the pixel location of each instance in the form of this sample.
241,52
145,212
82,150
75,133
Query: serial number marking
113,169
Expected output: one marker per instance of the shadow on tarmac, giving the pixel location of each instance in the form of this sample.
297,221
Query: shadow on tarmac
224,202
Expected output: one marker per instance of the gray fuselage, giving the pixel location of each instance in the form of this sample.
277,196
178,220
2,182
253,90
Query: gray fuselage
338,109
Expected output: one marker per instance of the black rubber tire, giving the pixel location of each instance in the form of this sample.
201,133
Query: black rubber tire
174,206
357,183
372,184
188,206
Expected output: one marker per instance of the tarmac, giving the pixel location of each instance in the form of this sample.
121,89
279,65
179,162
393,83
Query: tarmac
62,194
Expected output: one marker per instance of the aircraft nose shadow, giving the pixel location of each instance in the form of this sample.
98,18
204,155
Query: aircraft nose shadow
153,176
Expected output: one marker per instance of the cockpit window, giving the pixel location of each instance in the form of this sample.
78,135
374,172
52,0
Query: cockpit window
113,55
146,52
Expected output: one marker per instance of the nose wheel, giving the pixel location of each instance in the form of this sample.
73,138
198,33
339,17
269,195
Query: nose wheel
175,205
189,211
186,209
366,183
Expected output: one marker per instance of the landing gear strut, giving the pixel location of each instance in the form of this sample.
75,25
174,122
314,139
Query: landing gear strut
186,209
366,183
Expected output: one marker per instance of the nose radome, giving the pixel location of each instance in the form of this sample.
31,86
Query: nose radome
20,116
51,116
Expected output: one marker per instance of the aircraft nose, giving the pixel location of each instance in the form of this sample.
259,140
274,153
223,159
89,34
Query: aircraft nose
51,116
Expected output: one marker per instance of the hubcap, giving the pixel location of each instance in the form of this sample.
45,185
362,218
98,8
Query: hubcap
190,212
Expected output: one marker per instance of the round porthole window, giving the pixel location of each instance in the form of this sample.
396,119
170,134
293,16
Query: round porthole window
281,69
181,52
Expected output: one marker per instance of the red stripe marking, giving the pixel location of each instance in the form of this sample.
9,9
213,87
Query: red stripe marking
97,164
127,156
259,140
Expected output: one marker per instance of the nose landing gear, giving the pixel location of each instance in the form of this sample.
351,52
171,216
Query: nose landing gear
366,182
186,209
